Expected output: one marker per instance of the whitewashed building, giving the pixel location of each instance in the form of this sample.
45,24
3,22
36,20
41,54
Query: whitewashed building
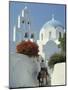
49,38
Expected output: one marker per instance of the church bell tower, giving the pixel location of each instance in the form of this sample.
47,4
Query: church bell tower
23,27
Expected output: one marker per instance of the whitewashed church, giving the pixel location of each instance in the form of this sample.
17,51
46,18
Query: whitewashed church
49,38
49,34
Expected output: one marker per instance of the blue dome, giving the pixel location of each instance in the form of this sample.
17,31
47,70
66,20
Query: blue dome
53,23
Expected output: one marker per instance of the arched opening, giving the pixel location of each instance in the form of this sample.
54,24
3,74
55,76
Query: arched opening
59,35
49,35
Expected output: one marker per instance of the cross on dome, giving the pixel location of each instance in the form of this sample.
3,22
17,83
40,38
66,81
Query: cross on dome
25,7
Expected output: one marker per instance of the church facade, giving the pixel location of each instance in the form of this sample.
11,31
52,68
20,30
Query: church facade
49,38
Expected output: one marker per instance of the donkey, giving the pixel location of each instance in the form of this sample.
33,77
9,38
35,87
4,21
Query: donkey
42,77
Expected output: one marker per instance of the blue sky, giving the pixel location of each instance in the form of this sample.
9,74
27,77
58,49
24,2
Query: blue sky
39,14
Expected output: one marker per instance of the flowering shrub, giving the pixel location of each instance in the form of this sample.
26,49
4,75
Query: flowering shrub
28,48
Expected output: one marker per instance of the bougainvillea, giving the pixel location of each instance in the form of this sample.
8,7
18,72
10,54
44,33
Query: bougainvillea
28,48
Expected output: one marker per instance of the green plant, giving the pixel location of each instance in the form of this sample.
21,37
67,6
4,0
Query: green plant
56,58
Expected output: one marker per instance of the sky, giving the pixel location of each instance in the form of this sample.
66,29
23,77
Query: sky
39,13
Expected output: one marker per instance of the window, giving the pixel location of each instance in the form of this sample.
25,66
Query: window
49,35
59,35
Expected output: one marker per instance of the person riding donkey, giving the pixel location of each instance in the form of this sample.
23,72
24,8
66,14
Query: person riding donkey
42,75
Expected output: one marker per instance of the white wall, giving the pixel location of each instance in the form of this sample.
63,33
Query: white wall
58,75
23,71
